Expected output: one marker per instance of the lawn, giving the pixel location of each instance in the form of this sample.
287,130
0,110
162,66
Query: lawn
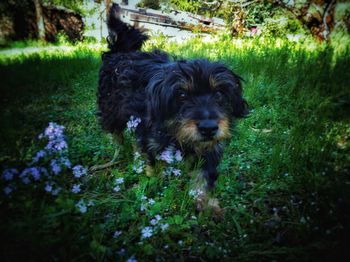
284,183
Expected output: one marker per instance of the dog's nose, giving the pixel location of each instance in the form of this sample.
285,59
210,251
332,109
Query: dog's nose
208,128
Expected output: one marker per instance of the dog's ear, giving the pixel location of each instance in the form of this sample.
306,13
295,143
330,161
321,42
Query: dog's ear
238,104
158,100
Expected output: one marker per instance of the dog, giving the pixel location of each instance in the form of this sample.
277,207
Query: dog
188,104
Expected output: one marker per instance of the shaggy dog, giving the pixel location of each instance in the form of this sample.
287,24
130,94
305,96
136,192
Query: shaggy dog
187,104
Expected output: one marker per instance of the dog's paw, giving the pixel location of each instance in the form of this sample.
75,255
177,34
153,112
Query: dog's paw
217,211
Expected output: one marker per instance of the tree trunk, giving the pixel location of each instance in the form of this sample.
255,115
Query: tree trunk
39,19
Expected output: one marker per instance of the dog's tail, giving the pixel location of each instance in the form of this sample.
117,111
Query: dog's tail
122,37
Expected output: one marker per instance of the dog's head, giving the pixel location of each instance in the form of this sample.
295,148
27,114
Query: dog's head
196,100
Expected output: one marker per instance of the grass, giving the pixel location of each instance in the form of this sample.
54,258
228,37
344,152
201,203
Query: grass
284,179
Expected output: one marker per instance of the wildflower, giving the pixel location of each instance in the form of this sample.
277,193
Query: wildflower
176,172
158,217
137,169
133,123
9,173
119,180
117,234
143,197
121,252
8,190
154,222
35,173
48,187
81,206
39,154
76,188
66,162
116,189
132,259
147,232
143,207
55,167
79,171
178,156
164,226
151,201
56,191
137,155
167,155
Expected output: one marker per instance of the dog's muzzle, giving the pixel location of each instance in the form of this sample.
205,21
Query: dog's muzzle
208,128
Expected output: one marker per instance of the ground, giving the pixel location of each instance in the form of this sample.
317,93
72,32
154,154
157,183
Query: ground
284,180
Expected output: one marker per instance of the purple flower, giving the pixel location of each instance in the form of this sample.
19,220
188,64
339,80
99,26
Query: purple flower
48,188
8,190
154,222
8,174
133,123
158,217
55,167
176,172
39,154
66,162
81,206
56,191
167,155
116,189
76,188
147,232
131,259
119,180
79,171
178,156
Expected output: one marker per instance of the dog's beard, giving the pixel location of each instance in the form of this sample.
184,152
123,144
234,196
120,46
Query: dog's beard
186,133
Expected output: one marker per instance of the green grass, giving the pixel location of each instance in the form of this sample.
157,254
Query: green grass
284,180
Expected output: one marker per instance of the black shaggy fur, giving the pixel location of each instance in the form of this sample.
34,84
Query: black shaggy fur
189,104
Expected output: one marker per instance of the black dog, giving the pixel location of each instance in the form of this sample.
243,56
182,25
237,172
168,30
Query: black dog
189,104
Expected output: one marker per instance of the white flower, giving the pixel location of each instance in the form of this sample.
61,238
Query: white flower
143,197
147,232
151,201
119,181
117,234
116,189
143,207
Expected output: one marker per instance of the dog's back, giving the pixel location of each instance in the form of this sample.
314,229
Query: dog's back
124,74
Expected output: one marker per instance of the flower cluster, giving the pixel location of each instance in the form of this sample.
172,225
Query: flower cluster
171,156
133,123
46,165
82,205
148,231
56,139
139,164
118,182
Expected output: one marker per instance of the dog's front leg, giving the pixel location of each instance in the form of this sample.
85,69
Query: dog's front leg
205,182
